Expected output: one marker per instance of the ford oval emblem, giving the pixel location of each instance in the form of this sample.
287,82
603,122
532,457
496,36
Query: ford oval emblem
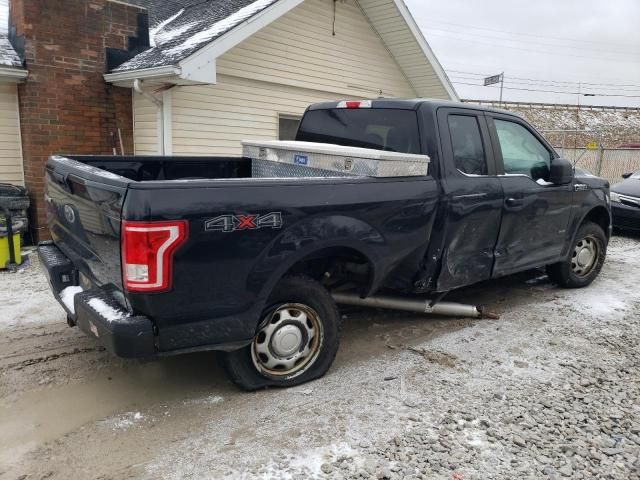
69,213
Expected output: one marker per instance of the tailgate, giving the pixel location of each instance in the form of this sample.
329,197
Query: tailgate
84,205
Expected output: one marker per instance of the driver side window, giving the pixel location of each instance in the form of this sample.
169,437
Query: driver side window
522,152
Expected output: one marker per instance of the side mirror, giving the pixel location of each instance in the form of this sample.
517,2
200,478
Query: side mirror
626,175
561,172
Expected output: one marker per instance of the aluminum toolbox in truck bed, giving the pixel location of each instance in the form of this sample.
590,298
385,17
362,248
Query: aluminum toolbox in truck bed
307,159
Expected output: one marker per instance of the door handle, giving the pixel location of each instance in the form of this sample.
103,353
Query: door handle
513,202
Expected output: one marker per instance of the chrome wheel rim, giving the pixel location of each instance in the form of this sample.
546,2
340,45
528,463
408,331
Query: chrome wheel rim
288,342
585,256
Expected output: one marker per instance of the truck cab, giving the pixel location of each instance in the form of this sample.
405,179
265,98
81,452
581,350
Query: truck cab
165,255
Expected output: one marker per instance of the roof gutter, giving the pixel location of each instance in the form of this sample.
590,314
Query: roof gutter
143,74
13,74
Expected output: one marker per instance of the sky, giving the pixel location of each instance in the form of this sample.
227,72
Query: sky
570,48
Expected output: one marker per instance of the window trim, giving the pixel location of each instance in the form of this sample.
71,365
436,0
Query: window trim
495,140
482,140
445,147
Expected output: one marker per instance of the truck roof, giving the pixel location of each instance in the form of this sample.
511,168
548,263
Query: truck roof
412,104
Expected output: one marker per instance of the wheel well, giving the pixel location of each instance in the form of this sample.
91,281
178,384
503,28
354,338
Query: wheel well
599,216
336,266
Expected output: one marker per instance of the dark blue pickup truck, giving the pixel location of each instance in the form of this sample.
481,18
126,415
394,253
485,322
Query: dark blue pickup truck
158,256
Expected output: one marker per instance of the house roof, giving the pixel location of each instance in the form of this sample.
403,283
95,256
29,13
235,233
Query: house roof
181,28
8,56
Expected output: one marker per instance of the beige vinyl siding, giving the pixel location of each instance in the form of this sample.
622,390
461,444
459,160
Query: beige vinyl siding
145,126
281,70
300,50
11,168
214,119
390,25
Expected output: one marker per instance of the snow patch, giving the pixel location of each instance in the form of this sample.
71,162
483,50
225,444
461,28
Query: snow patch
153,32
220,27
168,35
67,295
310,462
542,182
8,56
124,421
208,400
105,311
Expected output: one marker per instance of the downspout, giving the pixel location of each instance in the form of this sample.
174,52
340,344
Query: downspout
137,86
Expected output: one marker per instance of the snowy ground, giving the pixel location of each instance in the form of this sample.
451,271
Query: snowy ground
551,390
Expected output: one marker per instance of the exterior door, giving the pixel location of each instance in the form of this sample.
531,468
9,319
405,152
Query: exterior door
473,196
535,213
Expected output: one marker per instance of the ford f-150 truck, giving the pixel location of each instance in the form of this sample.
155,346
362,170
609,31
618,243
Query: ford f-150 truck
159,256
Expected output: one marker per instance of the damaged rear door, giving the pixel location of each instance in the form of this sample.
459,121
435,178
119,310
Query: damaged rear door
472,197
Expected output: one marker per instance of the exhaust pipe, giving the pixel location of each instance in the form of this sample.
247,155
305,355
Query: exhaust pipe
411,305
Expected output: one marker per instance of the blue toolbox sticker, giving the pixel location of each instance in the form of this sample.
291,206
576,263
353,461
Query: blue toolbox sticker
301,160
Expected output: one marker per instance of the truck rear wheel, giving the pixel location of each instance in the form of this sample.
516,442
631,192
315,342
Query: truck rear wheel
585,259
296,341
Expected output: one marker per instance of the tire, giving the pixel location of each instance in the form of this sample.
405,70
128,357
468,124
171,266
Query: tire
579,270
285,351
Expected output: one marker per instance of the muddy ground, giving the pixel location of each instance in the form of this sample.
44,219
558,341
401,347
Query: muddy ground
393,405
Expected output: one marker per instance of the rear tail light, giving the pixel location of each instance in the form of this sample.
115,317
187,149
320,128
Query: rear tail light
147,253
355,104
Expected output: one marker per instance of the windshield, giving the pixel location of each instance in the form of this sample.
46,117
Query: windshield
381,129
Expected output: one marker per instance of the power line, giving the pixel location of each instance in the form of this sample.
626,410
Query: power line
549,91
533,35
544,52
600,84
550,83
555,45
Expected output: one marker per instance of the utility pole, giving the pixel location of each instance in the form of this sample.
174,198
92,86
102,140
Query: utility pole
501,87
575,136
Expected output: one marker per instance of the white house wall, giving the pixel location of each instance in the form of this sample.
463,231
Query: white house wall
282,69
300,50
406,43
11,169
145,126
214,119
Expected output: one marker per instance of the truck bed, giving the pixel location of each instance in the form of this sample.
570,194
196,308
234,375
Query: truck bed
225,269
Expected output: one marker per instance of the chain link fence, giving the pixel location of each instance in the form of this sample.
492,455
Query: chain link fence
609,163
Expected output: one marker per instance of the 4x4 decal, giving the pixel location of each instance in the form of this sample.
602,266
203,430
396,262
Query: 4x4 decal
232,223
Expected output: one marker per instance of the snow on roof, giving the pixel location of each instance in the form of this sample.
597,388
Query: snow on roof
8,56
187,27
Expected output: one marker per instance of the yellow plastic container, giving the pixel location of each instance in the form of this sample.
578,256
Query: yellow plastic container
4,249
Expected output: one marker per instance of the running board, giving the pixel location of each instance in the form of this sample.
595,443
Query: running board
414,305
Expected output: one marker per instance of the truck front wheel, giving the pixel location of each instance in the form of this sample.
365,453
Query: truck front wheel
296,340
585,259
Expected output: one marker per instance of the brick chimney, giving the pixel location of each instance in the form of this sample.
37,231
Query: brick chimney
65,104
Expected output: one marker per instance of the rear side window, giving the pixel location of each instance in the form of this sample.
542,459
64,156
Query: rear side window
381,129
466,141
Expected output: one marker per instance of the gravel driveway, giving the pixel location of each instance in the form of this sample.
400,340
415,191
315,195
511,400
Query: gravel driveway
551,390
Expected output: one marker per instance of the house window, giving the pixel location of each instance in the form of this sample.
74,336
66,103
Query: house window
288,127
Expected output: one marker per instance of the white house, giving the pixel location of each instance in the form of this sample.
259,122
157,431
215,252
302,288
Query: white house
11,72
226,70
